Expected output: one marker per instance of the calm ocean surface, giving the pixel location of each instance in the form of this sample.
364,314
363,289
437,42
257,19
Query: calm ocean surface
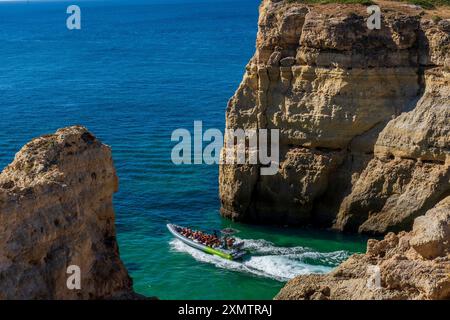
134,73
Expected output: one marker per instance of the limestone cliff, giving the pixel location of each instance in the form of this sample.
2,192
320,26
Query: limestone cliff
414,265
363,116
410,171
55,211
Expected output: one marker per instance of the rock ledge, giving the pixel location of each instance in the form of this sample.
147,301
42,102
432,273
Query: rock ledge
55,211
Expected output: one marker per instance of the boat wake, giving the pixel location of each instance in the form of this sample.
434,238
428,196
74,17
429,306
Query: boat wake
268,260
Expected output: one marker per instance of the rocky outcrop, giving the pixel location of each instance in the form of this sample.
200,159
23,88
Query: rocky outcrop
56,211
410,172
413,265
363,118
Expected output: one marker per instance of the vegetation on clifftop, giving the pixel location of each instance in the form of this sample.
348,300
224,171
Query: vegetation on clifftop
426,4
364,2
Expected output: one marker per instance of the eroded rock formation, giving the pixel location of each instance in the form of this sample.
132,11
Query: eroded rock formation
410,172
413,265
55,211
363,118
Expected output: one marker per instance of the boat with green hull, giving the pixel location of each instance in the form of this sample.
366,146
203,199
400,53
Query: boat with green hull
234,253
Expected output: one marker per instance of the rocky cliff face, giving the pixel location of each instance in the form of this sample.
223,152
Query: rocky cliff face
410,170
55,211
413,265
364,118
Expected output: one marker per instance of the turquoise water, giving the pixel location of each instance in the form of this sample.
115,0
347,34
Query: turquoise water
135,72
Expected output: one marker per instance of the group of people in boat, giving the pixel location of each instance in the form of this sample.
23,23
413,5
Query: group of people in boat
206,239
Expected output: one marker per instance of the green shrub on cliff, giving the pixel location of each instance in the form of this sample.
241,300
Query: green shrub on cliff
426,4
364,2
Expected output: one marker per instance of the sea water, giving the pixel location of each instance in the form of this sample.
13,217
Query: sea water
136,71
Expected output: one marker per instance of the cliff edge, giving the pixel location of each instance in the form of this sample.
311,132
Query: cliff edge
409,265
363,117
56,211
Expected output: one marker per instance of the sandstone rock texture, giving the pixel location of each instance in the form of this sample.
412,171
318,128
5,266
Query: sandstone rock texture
55,211
410,170
364,118
413,265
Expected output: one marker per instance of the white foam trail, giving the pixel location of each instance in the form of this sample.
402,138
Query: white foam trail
264,246
261,246
268,260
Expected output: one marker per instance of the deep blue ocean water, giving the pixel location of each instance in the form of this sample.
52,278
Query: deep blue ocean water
135,72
